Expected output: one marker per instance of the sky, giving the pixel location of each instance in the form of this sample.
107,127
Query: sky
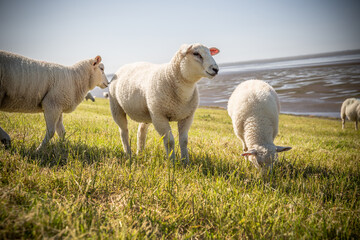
68,31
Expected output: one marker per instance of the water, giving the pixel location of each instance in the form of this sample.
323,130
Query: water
308,85
313,85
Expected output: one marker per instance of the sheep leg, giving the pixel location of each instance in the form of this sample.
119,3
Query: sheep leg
141,136
356,124
51,118
2,95
162,126
121,121
119,117
183,128
124,134
60,129
5,138
343,123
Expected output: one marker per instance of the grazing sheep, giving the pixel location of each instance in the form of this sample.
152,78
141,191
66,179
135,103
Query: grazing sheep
350,109
89,96
106,94
254,109
158,94
32,86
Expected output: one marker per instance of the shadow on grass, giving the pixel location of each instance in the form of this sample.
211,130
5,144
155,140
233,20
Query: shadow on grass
288,168
61,152
211,165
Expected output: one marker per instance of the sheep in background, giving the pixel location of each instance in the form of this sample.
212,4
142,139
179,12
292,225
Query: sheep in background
350,109
106,94
158,94
254,109
90,96
32,86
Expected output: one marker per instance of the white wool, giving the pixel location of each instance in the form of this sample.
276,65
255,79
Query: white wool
254,109
350,109
158,94
32,86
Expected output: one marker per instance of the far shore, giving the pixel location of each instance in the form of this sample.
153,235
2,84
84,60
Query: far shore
282,113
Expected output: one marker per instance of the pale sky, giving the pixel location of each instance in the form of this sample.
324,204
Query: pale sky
67,31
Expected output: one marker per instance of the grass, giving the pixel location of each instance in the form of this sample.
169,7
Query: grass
85,187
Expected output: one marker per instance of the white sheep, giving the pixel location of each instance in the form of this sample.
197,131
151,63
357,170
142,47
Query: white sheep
32,86
106,94
158,94
254,109
350,109
89,96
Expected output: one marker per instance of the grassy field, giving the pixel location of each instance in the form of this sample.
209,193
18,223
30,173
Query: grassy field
85,187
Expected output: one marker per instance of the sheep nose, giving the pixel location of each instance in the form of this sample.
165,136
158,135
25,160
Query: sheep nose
215,69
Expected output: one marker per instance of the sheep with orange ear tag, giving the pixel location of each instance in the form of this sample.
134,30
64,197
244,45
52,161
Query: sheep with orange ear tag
161,93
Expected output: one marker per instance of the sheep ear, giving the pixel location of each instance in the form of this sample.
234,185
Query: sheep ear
250,152
214,51
185,49
282,149
97,60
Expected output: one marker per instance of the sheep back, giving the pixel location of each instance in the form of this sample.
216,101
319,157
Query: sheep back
254,105
24,83
145,89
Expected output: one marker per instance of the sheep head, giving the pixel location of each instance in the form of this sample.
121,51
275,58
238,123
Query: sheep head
99,77
197,62
264,156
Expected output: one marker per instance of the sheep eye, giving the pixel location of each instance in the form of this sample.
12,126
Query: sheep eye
197,54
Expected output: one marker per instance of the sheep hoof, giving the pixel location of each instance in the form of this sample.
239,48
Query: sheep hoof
185,161
6,142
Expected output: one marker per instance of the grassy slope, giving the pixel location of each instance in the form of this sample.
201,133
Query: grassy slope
85,187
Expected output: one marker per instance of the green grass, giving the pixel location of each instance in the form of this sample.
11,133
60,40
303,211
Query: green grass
85,187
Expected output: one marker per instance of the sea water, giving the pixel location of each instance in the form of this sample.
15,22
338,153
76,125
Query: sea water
307,85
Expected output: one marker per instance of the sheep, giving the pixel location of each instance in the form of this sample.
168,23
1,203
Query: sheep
350,109
158,94
89,96
106,94
32,86
254,109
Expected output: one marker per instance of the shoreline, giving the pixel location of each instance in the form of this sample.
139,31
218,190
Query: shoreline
281,113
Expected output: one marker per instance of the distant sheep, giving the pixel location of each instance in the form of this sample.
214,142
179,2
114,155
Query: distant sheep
106,94
32,86
350,109
254,109
159,94
90,96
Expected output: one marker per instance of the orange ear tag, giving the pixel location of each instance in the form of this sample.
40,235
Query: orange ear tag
214,51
